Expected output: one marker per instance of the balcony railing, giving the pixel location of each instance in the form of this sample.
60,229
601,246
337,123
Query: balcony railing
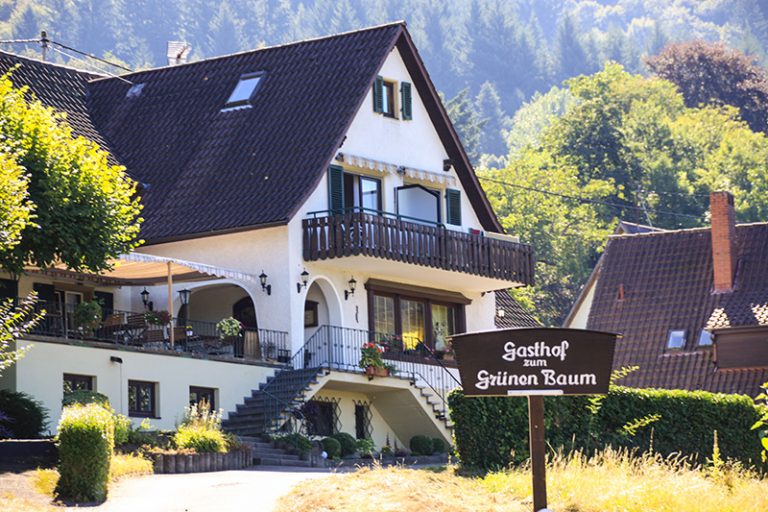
354,233
149,331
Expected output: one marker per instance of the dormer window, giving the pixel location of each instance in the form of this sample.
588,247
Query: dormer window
676,340
244,90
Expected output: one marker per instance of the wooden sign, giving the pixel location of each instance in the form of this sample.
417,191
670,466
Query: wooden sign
538,361
535,362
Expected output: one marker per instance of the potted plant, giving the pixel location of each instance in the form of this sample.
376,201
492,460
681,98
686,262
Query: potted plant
159,318
229,328
372,362
88,317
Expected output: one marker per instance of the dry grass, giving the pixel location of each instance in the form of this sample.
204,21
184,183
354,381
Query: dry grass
609,482
12,503
129,464
395,489
44,481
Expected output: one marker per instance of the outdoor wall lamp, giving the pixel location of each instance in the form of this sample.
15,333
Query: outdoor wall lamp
184,296
304,281
351,291
145,297
264,286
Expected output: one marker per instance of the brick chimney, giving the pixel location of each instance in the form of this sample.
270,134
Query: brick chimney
723,240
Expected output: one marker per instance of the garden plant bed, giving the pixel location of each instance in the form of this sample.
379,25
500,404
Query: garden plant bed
202,462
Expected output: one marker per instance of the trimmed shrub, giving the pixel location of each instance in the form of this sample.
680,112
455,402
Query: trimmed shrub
438,445
23,416
200,439
84,397
492,433
86,446
365,447
347,442
298,442
332,447
421,445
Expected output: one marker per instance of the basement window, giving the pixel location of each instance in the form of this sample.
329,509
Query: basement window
244,90
676,340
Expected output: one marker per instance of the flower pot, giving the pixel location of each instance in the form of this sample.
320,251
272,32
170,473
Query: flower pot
375,371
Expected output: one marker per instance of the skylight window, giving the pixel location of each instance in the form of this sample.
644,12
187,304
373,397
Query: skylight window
676,340
134,91
244,90
705,338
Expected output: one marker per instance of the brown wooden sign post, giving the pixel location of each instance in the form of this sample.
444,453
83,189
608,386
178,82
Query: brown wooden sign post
535,363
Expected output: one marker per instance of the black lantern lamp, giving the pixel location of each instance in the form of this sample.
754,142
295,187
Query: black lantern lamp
145,297
304,281
184,296
351,291
264,286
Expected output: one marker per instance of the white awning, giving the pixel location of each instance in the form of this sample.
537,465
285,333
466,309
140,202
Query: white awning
147,269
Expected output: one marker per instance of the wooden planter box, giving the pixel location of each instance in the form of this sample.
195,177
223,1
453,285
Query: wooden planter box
202,462
373,371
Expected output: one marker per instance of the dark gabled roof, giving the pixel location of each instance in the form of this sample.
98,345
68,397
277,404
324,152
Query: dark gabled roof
667,283
63,88
515,315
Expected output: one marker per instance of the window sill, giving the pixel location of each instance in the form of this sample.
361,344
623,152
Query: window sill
143,416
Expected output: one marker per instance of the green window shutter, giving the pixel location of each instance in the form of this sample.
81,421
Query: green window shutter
378,95
336,189
406,101
453,206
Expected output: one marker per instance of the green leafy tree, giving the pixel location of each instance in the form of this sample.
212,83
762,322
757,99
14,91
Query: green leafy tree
712,74
85,210
535,116
468,123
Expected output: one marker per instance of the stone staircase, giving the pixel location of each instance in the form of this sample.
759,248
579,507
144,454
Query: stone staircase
266,454
270,405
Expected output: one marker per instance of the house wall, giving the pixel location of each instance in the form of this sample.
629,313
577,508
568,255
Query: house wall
578,319
40,374
346,401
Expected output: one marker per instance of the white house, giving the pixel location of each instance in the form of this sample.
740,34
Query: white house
316,192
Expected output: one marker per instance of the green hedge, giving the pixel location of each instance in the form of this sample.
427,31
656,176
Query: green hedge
23,417
86,445
84,397
347,442
421,445
492,433
332,447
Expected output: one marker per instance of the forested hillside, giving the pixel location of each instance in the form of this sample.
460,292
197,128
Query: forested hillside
502,51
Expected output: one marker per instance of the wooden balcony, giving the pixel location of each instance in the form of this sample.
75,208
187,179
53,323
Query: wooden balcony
328,236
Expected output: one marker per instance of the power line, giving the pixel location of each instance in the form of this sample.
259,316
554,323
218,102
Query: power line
91,56
83,60
591,201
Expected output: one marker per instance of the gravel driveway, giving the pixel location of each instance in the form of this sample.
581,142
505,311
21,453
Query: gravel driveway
252,490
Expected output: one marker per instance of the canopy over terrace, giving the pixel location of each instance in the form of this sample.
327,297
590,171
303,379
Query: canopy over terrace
146,269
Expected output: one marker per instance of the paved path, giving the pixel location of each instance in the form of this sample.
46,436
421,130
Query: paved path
252,490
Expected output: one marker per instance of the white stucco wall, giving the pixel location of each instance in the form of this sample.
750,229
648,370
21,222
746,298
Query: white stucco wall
580,315
41,371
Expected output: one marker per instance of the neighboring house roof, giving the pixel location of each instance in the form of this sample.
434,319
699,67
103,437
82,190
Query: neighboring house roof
622,228
207,171
667,282
515,315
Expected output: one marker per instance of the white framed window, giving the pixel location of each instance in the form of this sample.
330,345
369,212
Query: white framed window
244,90
705,338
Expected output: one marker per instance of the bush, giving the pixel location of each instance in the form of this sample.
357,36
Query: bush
23,416
298,442
200,439
332,447
438,445
365,447
84,397
86,446
492,433
347,442
421,445
123,428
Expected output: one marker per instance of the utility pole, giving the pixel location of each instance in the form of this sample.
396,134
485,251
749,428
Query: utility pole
44,43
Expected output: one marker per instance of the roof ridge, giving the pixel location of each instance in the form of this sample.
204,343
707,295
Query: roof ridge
53,64
256,50
685,230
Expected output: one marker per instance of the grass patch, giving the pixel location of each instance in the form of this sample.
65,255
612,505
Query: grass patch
608,482
44,481
11,503
129,464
